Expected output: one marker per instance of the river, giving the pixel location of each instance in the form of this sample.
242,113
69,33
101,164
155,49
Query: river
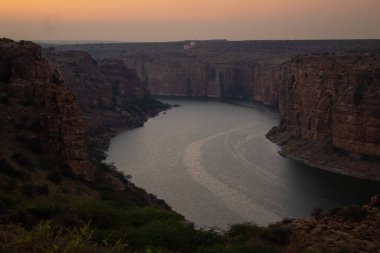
211,162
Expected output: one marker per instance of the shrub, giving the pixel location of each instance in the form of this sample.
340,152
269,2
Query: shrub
55,176
277,234
45,238
355,213
7,201
10,185
35,189
43,208
243,232
22,160
7,169
42,189
164,234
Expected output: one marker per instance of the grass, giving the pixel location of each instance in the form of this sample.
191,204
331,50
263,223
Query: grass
143,229
46,238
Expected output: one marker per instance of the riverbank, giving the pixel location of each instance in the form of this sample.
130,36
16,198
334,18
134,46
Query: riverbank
317,154
322,155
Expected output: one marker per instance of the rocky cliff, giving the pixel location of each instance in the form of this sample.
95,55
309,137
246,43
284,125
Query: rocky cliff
222,69
110,95
38,110
330,109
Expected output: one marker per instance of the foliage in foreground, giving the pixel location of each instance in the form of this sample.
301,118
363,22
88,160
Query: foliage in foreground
45,238
91,225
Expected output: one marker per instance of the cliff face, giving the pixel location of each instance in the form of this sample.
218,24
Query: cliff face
109,94
222,69
329,103
255,80
335,98
45,111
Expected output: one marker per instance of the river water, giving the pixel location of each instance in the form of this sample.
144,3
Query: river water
211,162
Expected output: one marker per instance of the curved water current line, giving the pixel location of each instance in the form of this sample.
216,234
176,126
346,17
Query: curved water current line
232,199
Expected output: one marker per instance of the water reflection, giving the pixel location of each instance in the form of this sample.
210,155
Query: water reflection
211,162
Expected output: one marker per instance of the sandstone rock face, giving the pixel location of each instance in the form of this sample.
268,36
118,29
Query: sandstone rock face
45,103
251,79
109,95
219,68
334,98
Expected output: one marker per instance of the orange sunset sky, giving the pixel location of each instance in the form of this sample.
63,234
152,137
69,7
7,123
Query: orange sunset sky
165,20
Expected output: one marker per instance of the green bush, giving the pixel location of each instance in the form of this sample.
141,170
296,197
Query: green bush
31,189
276,235
7,201
355,213
55,176
10,185
44,208
22,160
164,234
7,169
243,232
45,238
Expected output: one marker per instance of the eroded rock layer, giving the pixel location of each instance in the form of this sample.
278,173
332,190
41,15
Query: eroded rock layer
334,97
37,102
110,95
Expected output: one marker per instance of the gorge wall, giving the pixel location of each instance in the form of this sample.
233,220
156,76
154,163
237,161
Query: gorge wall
38,110
334,97
217,68
327,92
329,103
110,95
330,110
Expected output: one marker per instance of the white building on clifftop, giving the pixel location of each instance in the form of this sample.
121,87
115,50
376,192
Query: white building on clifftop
192,45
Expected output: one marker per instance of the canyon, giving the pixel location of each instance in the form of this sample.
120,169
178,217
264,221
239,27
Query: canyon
326,91
62,112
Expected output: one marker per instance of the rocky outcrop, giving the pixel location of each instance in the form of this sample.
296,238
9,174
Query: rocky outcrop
110,95
351,229
335,98
330,111
46,111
